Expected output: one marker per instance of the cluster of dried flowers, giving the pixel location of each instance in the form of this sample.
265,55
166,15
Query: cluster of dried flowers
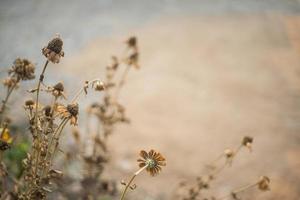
21,70
47,122
204,182
109,112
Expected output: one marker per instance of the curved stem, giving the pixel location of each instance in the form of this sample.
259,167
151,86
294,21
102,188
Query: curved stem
235,192
36,115
38,91
60,127
9,91
131,180
80,91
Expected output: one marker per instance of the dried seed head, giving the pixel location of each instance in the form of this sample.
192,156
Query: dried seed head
99,86
229,153
153,160
22,69
53,51
132,42
58,90
59,87
70,112
247,142
29,102
47,110
264,183
55,45
10,82
73,109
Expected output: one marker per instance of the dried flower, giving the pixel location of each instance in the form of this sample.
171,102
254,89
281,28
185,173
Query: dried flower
10,82
247,142
132,42
70,112
264,183
29,104
133,59
47,109
153,160
229,155
58,90
22,69
53,51
99,86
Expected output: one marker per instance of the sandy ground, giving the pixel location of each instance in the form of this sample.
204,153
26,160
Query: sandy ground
205,82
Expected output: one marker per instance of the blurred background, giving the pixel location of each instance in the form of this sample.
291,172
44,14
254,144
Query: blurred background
211,72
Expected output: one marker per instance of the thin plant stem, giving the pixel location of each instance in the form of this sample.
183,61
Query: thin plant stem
131,180
62,124
56,144
122,81
238,191
36,115
81,90
9,91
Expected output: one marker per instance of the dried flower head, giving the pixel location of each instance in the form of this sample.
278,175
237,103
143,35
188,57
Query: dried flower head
133,59
70,112
247,142
58,90
153,160
264,183
53,51
10,82
99,86
22,69
132,42
229,153
47,110
29,104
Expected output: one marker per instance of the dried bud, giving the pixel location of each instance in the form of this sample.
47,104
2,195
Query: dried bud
247,142
53,51
59,87
29,102
264,183
10,82
47,110
22,69
132,42
99,86
58,90
73,109
229,153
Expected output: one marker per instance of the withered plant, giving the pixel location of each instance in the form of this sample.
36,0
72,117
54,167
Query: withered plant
213,170
92,149
21,70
